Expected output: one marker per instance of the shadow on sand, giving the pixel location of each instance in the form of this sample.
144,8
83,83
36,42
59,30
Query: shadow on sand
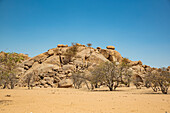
152,93
106,90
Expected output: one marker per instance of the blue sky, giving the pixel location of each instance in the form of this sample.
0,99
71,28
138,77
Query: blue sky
139,29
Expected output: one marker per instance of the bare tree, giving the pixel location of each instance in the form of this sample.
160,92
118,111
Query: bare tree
159,80
29,79
108,74
78,78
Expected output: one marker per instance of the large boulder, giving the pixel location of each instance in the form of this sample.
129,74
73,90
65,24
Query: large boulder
41,57
43,82
98,48
105,53
84,53
62,45
68,67
111,55
110,47
49,80
97,58
50,52
118,56
65,83
29,62
41,68
137,68
46,67
168,68
78,62
53,60
134,63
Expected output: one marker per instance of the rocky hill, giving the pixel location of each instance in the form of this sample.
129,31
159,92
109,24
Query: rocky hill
54,69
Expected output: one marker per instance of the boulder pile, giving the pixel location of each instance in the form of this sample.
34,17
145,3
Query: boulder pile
53,69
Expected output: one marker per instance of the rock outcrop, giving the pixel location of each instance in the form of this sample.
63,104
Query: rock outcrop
50,69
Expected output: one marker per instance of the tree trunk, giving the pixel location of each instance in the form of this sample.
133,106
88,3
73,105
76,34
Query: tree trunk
5,85
111,88
12,84
164,89
87,85
28,85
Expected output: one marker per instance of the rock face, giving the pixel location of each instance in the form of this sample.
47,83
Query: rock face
111,55
50,69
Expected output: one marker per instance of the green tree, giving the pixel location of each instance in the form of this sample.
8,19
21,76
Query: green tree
8,65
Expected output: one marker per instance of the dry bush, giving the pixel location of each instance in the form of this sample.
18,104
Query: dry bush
111,75
108,74
78,78
30,79
70,53
137,81
158,80
89,44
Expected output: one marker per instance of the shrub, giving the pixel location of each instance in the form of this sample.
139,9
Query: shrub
89,44
158,80
8,65
70,52
78,78
108,74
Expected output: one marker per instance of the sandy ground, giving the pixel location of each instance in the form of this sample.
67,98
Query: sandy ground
55,100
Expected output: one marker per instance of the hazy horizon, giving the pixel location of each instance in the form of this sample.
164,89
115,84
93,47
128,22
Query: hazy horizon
139,29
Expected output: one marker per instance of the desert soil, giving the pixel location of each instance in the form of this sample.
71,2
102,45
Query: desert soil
58,100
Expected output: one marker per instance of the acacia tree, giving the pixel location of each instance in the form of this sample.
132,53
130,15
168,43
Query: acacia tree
108,74
8,65
158,80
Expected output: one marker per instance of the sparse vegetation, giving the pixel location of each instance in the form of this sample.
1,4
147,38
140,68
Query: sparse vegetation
78,78
137,81
70,52
8,65
82,71
158,80
108,74
29,79
89,44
